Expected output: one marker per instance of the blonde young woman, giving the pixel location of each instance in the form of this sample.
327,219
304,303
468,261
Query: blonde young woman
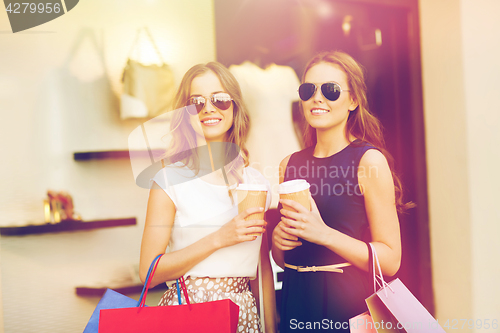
355,198
192,207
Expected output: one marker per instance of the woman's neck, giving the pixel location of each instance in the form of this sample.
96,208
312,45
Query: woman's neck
216,154
330,141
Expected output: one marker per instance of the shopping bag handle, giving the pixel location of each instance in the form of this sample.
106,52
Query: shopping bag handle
149,277
151,40
184,290
382,284
86,33
179,299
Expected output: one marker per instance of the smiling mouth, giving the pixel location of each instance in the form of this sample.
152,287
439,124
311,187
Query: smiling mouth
319,111
212,121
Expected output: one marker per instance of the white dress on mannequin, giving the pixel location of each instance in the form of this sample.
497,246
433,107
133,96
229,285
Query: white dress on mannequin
269,94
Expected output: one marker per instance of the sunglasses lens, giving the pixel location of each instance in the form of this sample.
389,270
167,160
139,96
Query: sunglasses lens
221,101
331,91
306,91
198,102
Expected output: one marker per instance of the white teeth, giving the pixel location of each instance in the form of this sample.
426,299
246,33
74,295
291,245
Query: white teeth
211,121
318,111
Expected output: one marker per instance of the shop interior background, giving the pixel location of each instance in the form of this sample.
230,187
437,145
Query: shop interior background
432,80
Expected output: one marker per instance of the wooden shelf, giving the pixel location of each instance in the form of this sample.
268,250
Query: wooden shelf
112,154
70,225
125,290
100,155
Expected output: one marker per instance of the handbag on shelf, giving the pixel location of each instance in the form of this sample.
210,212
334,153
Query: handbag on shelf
393,308
219,316
148,89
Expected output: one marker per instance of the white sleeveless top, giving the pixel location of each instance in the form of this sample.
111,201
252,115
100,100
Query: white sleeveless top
202,208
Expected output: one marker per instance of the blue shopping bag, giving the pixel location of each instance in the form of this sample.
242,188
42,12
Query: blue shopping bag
110,300
114,300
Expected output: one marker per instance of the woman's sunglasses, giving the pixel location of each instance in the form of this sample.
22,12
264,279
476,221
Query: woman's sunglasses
221,101
330,90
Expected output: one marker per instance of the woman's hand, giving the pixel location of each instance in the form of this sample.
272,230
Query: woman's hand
284,240
304,224
238,230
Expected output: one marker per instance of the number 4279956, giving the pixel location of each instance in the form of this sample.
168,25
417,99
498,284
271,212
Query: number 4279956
27,7
456,324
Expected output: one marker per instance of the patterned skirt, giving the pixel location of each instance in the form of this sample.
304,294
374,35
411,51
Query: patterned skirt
211,289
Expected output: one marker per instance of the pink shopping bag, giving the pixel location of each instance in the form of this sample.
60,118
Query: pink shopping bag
394,308
362,323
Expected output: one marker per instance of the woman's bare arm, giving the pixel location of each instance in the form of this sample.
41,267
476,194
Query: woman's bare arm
157,231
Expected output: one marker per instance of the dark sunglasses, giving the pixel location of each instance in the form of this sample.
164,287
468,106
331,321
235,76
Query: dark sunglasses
221,101
330,90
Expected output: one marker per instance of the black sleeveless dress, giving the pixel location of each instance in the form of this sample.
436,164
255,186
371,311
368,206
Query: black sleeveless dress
325,301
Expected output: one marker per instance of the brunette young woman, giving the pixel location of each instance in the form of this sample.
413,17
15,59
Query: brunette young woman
355,198
194,213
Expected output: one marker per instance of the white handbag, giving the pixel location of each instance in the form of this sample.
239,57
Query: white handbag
148,89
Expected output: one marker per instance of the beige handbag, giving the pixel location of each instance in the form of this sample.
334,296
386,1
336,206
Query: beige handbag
148,90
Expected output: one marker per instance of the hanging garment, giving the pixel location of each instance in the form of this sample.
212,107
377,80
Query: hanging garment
269,94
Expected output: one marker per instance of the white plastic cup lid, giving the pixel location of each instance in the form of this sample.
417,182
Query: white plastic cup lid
252,187
293,186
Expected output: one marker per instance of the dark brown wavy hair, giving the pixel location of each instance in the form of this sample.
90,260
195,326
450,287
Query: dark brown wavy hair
361,123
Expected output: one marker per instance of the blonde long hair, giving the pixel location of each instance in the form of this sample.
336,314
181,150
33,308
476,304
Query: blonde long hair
183,134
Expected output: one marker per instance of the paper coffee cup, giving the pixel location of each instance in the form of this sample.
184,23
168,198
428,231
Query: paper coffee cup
296,190
252,195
